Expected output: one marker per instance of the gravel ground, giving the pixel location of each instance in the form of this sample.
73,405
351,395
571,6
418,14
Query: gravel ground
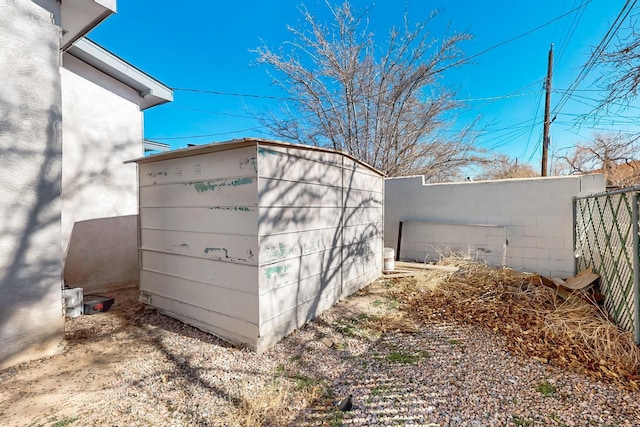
158,371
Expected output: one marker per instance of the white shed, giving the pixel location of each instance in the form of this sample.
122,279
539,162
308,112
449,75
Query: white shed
250,239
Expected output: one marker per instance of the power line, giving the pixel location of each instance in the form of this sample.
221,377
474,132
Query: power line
521,35
210,111
240,95
493,99
588,66
208,135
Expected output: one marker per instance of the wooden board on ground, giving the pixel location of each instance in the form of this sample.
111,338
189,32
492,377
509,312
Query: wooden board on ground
419,266
584,279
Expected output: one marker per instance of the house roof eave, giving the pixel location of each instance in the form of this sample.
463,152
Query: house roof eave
151,91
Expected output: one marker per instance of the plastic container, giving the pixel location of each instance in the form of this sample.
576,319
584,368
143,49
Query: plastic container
74,311
73,302
389,259
97,303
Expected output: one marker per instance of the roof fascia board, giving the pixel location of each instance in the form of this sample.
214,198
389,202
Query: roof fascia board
109,8
239,143
150,89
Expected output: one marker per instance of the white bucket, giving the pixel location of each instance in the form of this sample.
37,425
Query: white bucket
389,259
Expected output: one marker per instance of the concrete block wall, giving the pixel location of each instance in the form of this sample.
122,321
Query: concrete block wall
536,214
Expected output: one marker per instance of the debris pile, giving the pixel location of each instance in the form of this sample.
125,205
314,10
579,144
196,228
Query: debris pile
556,324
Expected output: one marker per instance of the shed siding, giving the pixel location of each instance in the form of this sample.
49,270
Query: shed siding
198,241
253,242
362,225
307,203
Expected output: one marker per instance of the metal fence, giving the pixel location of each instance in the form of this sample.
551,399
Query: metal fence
606,239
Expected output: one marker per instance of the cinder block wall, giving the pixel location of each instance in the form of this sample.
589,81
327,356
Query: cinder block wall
536,215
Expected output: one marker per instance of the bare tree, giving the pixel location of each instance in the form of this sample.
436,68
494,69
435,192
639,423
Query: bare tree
615,155
502,167
384,106
621,80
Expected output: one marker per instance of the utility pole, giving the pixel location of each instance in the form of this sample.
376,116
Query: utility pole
547,108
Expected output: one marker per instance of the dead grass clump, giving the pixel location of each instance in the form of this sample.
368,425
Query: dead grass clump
270,405
536,323
396,321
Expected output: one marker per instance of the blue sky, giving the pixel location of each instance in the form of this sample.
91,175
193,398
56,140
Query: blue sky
206,45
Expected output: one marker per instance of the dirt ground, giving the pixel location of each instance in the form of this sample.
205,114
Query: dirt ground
54,391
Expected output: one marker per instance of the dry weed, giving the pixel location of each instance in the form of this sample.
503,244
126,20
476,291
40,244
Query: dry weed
270,405
395,321
573,333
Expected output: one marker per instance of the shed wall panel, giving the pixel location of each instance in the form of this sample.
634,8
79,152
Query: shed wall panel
219,220
222,192
362,199
287,298
278,247
273,330
223,326
290,271
213,246
297,154
276,192
279,165
229,302
208,167
237,277
282,219
360,216
356,233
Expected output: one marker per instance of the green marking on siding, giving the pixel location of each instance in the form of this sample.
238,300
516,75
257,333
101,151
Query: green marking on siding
279,252
202,187
251,162
277,270
184,245
264,151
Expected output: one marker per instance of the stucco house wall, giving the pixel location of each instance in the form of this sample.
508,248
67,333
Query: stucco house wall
30,178
102,128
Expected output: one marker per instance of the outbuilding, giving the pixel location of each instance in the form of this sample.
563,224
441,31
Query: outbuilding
250,239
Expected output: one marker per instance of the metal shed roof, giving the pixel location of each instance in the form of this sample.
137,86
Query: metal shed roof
239,143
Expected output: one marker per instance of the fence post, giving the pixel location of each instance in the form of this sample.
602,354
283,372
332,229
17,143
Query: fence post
575,235
636,266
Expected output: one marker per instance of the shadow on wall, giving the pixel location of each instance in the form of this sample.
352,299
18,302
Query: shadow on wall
31,322
102,254
338,221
